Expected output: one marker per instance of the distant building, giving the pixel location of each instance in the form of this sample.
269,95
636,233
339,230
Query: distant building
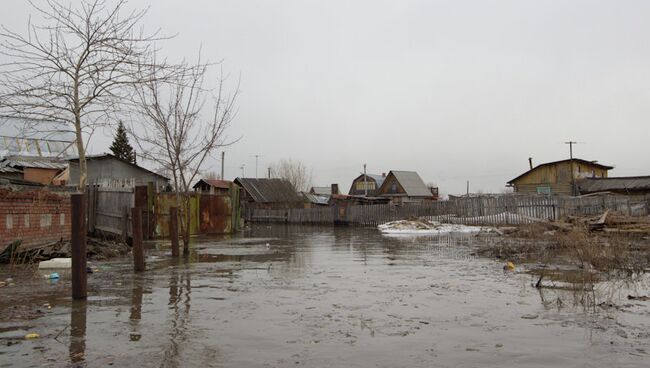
558,177
33,150
404,187
268,193
108,170
321,191
213,186
630,185
36,169
367,184
312,200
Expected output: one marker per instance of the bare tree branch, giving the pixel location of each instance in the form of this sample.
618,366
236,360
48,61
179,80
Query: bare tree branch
172,129
77,67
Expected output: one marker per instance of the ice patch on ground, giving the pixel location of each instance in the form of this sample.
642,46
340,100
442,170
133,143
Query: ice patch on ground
425,227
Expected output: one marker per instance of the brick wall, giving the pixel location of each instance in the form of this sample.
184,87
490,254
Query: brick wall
34,216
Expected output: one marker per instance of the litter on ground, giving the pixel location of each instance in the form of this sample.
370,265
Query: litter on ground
56,263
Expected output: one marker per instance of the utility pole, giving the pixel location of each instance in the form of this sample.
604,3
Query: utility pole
573,180
468,188
365,180
242,170
269,173
223,160
256,159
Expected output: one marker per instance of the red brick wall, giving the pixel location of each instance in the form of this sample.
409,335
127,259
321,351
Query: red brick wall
35,216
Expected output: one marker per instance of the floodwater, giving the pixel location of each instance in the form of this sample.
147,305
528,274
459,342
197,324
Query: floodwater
279,296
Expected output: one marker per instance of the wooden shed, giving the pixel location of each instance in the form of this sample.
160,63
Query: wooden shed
268,193
213,186
627,185
558,177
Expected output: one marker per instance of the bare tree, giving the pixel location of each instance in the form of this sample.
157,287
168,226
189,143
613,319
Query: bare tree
293,171
74,68
173,131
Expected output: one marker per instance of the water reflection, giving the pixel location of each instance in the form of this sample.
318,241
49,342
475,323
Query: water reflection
77,349
323,295
136,306
178,317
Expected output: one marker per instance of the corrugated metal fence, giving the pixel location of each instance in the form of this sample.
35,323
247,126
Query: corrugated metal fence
487,210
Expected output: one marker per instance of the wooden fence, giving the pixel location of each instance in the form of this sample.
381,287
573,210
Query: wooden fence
488,210
109,210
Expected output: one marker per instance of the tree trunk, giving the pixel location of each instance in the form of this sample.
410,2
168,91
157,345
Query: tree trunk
187,221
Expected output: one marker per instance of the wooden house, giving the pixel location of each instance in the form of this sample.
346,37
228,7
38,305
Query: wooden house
558,177
366,185
404,187
268,193
213,186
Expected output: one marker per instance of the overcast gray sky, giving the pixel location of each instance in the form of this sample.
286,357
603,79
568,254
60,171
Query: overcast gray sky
455,90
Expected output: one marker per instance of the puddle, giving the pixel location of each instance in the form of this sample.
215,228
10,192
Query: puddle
323,297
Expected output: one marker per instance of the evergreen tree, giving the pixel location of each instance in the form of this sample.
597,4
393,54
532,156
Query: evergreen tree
121,147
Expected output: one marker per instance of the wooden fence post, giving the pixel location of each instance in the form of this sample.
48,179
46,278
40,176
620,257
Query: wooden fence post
125,224
173,230
78,236
138,251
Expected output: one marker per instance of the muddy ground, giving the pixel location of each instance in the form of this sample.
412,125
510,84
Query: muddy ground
278,296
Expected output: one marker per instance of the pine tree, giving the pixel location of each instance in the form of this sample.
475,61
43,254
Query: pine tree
121,147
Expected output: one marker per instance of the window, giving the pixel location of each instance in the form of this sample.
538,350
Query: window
361,185
544,189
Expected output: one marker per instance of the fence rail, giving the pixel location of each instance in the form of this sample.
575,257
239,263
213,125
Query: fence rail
497,210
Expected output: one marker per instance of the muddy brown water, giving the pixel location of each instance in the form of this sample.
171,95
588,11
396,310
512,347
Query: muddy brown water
319,297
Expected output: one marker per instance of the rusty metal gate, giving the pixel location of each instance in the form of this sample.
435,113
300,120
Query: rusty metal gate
215,214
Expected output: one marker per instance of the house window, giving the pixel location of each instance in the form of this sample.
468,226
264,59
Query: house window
544,189
370,185
46,220
393,188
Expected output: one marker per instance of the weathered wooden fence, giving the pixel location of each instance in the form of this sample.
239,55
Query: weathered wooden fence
488,210
109,210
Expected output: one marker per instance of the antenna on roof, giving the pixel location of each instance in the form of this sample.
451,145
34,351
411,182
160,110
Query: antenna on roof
256,158
571,143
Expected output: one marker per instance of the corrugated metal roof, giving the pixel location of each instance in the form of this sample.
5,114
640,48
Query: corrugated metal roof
321,190
316,198
105,156
619,184
4,168
269,190
412,183
34,162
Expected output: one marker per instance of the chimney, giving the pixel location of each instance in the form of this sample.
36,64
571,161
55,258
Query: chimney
335,189
530,162
383,175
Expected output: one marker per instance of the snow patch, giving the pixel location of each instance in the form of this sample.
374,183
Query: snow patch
424,227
